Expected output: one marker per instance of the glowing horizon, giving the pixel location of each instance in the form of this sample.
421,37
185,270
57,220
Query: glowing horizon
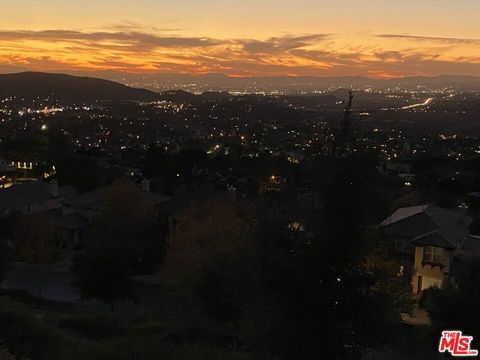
304,38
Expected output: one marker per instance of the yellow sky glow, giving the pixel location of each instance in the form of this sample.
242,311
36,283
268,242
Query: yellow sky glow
315,38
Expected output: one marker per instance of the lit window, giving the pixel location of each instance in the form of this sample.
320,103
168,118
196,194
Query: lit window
433,254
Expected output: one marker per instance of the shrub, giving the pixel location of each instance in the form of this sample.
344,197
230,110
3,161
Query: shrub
97,327
24,334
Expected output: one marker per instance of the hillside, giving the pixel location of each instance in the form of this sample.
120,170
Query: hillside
32,85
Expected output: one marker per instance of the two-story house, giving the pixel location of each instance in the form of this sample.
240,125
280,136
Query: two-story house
429,237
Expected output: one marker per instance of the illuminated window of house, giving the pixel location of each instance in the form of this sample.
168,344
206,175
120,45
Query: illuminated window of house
433,254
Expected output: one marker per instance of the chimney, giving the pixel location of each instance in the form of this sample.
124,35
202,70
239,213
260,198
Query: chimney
54,188
232,193
463,210
146,185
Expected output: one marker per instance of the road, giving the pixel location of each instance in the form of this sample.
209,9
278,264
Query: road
413,106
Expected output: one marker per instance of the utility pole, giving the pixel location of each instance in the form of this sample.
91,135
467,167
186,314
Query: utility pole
347,117
343,133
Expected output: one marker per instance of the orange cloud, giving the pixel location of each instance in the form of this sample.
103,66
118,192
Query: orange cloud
131,48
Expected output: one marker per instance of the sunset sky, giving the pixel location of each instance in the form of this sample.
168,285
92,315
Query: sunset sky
379,38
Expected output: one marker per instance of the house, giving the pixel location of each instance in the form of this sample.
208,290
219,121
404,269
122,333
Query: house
71,213
89,203
81,209
33,197
469,251
38,198
427,238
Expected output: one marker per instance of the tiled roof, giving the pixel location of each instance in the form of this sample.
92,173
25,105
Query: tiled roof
429,225
433,238
93,200
30,193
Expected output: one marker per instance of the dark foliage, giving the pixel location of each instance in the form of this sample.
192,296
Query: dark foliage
456,307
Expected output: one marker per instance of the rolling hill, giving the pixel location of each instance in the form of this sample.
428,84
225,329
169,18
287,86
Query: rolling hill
32,85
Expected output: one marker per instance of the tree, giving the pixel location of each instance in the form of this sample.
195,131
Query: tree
456,306
209,259
35,238
206,231
103,274
81,171
128,221
318,298
6,234
5,355
126,238
4,257
36,243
